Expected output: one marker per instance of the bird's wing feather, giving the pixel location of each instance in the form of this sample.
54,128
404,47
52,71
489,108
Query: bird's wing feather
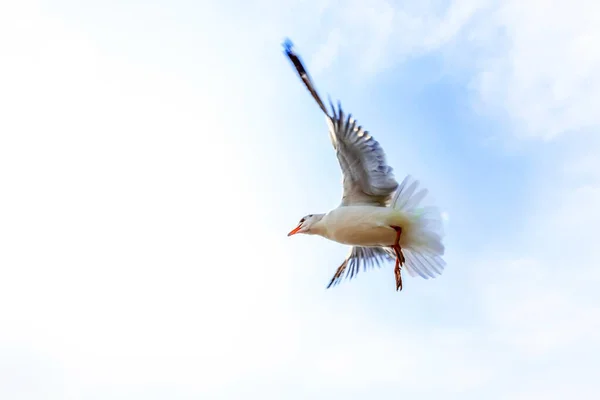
367,179
360,257
418,263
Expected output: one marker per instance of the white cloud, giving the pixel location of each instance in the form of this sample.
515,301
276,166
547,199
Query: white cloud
116,251
534,307
540,302
534,63
544,71
376,35
102,271
535,66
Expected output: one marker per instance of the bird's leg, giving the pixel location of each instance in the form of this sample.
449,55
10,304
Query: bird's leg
400,260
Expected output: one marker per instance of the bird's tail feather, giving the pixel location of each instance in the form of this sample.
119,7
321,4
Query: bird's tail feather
424,249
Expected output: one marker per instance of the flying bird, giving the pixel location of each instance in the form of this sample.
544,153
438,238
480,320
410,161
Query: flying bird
380,219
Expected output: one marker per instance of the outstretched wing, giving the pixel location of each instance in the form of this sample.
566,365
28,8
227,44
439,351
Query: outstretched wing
367,178
360,257
418,263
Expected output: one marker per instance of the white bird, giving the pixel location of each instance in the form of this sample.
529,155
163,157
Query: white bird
378,217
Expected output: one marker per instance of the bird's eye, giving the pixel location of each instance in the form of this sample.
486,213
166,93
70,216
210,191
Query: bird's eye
302,220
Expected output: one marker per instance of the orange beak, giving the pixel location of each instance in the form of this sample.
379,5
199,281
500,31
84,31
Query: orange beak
295,230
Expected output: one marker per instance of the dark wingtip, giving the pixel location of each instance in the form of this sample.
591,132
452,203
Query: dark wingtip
332,282
333,111
288,46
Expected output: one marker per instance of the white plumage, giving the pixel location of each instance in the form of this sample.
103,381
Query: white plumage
381,219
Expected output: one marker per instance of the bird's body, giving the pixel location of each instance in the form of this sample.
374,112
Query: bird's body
381,219
364,225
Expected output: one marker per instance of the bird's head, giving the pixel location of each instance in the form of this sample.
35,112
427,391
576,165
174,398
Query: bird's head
307,224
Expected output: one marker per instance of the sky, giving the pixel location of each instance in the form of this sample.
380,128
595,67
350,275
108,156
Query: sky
154,155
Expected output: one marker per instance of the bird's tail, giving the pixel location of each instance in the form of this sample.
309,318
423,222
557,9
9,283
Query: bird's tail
422,247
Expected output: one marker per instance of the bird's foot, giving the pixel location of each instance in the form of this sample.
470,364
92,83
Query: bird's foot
400,260
398,275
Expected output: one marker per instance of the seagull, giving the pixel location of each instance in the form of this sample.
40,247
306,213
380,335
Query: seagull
380,219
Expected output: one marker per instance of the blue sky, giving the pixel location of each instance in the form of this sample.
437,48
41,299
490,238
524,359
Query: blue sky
154,155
